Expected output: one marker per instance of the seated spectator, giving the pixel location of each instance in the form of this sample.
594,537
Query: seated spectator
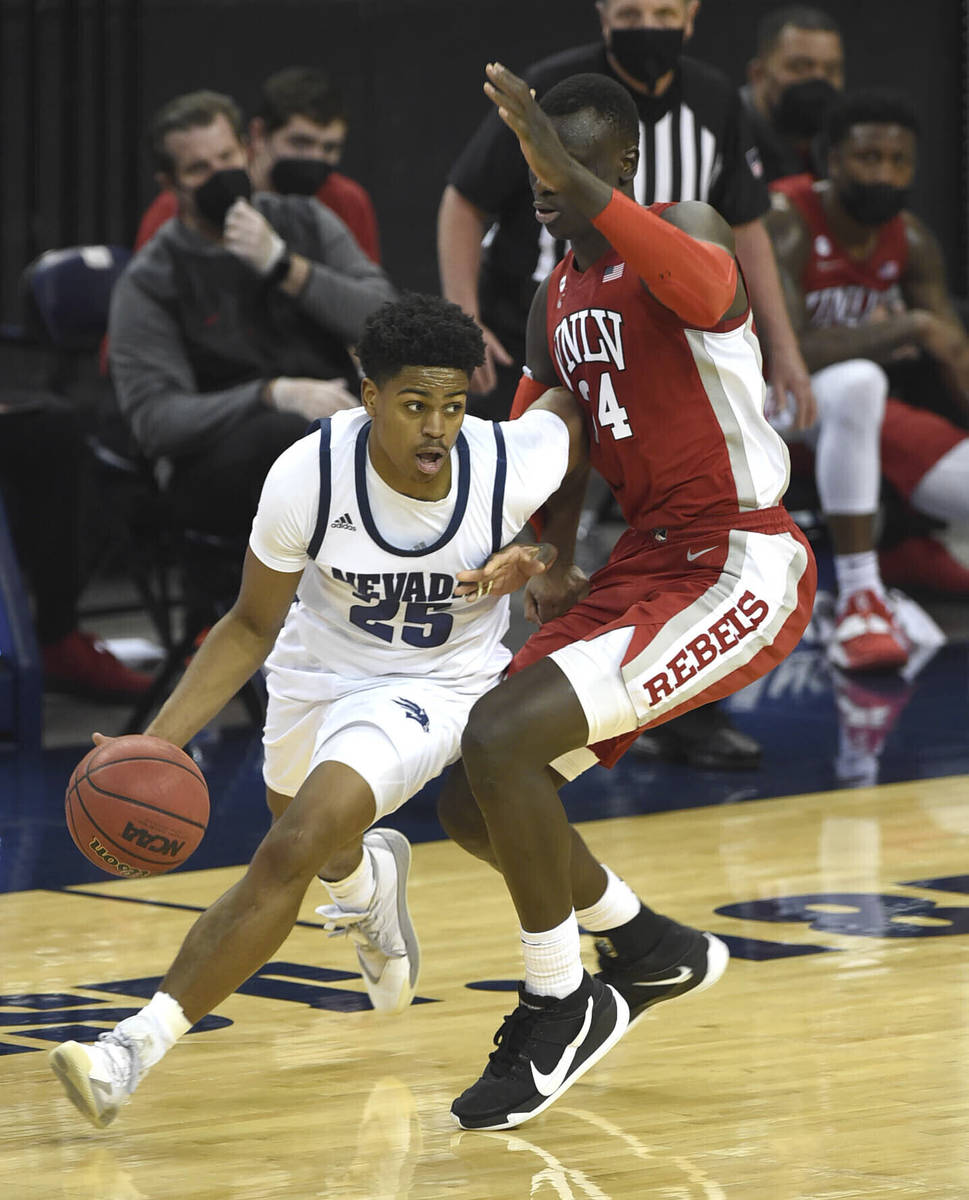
231,328
296,141
793,81
866,285
41,458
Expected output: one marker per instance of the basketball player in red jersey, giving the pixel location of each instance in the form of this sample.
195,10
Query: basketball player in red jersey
866,285
647,322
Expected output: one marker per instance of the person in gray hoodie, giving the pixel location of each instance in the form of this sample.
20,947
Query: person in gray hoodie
234,326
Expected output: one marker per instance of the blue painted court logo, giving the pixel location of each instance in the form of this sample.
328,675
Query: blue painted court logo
415,711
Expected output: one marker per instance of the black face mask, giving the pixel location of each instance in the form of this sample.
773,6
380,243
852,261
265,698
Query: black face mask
646,54
220,191
873,203
299,176
802,107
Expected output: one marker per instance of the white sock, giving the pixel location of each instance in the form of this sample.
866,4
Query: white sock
855,572
553,964
155,1029
617,905
354,893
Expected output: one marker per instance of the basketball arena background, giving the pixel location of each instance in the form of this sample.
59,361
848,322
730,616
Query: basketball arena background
79,79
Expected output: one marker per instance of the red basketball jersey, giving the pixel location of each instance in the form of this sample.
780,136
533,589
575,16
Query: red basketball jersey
840,289
675,415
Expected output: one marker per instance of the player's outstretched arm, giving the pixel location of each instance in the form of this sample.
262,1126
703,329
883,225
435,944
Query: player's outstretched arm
554,591
234,649
692,275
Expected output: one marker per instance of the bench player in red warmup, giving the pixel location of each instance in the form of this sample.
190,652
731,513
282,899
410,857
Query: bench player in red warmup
647,321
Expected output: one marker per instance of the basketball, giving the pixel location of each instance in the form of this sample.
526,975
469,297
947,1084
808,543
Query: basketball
137,806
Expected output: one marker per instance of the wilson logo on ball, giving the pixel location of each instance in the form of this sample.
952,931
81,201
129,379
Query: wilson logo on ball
110,860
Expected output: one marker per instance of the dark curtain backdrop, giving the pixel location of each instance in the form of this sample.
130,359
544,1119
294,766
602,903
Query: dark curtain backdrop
79,79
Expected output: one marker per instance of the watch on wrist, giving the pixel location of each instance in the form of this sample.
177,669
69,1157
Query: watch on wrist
280,269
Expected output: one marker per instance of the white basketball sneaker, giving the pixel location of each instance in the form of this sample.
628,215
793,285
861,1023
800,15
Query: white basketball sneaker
98,1076
387,948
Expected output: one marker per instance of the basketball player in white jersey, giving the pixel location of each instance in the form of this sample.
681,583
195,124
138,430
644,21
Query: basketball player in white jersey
389,519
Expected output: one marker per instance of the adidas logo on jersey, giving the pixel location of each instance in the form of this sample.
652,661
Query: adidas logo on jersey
344,522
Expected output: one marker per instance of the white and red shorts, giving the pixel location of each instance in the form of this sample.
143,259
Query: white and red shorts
676,619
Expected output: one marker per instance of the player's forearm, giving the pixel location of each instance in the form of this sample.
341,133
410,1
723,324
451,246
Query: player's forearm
229,655
460,227
696,280
561,515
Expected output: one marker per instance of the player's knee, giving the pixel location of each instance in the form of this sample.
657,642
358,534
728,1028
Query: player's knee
852,394
287,855
489,742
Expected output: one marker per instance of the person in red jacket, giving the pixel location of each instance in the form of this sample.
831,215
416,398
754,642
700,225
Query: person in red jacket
296,141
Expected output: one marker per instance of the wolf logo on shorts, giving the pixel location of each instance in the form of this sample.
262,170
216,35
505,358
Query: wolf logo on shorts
415,711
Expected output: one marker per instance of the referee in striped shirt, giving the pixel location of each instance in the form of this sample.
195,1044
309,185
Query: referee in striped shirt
694,145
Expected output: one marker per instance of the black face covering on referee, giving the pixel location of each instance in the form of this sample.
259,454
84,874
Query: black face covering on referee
220,191
646,54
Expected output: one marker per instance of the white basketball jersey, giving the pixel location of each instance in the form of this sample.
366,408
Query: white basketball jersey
377,594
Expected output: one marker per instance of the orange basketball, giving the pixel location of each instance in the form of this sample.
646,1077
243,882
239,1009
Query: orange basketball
137,806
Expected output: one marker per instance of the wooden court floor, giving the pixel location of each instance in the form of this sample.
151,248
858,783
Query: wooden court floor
830,1063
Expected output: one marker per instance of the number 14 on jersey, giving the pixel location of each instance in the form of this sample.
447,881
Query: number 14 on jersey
607,412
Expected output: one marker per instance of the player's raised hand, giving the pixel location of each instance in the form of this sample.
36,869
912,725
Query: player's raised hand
505,571
519,110
549,595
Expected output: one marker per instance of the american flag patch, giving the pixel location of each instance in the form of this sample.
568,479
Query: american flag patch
613,272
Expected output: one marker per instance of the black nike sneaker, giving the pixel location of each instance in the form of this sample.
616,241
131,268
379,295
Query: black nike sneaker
543,1048
684,960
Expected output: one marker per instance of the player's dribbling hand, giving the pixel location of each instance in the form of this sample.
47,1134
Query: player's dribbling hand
550,595
505,571
249,236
